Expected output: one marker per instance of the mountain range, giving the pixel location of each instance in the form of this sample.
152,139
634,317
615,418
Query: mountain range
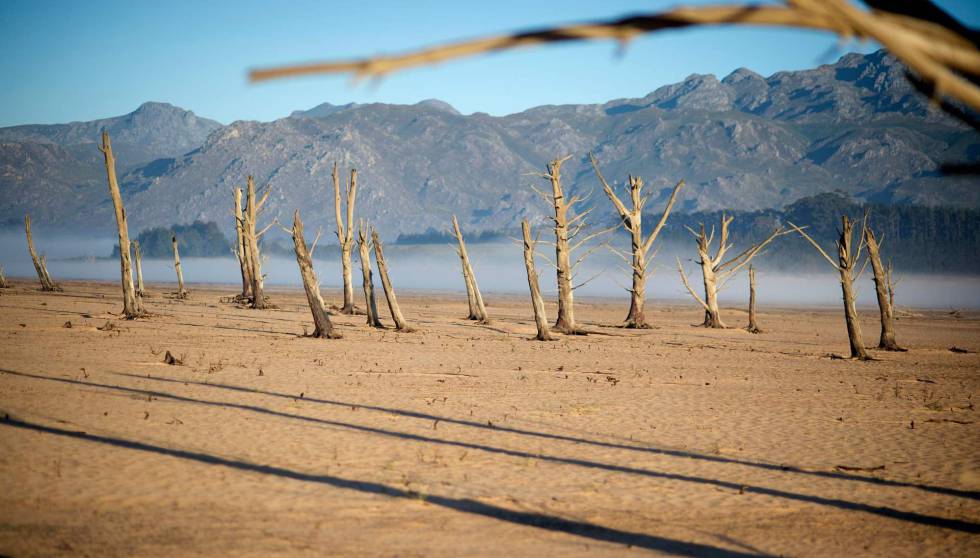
743,142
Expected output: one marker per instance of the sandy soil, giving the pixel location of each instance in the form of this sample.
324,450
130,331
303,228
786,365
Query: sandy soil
469,440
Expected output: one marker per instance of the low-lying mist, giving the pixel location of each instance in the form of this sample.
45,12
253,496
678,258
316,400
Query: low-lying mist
499,268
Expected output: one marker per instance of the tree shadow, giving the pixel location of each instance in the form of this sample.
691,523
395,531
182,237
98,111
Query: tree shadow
883,511
973,495
464,505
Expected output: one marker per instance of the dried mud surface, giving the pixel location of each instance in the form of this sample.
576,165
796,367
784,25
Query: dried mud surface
461,439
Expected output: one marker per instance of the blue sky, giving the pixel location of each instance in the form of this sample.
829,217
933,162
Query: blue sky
65,61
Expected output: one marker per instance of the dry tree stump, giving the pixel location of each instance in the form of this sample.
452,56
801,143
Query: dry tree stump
132,301
368,281
3,279
181,291
884,291
537,303
396,313
242,249
138,256
40,265
345,234
478,310
253,208
753,326
323,327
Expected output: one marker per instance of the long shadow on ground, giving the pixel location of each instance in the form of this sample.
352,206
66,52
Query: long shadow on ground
530,519
883,511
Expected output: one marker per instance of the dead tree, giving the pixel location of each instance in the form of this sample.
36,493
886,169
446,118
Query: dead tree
132,301
323,328
847,260
632,221
3,279
345,234
40,265
716,270
478,311
396,313
883,290
568,226
138,256
369,301
753,326
181,291
253,208
241,249
537,303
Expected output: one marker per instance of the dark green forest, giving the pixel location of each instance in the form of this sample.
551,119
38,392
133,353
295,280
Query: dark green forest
197,239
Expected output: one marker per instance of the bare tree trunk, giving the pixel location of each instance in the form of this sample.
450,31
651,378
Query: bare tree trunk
847,258
132,302
40,266
477,309
252,207
345,235
712,314
566,309
181,292
537,303
3,279
369,301
753,326
139,269
632,221
887,340
241,249
323,328
890,281
396,313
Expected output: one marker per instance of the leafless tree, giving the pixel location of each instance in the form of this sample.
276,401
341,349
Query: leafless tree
753,326
537,303
323,327
132,301
363,253
40,265
138,256
716,270
846,265
883,290
3,279
632,220
396,313
571,234
478,311
181,291
248,219
345,234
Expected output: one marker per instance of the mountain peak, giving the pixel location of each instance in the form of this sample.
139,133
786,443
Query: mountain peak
439,105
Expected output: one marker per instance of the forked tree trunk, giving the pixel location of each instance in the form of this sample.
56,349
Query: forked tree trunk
40,265
259,300
887,340
369,300
132,301
566,309
632,220
396,313
846,261
477,309
345,235
537,303
753,326
241,249
181,292
712,313
140,291
323,328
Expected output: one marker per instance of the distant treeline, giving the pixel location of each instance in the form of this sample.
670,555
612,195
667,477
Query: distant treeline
432,236
915,237
197,239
